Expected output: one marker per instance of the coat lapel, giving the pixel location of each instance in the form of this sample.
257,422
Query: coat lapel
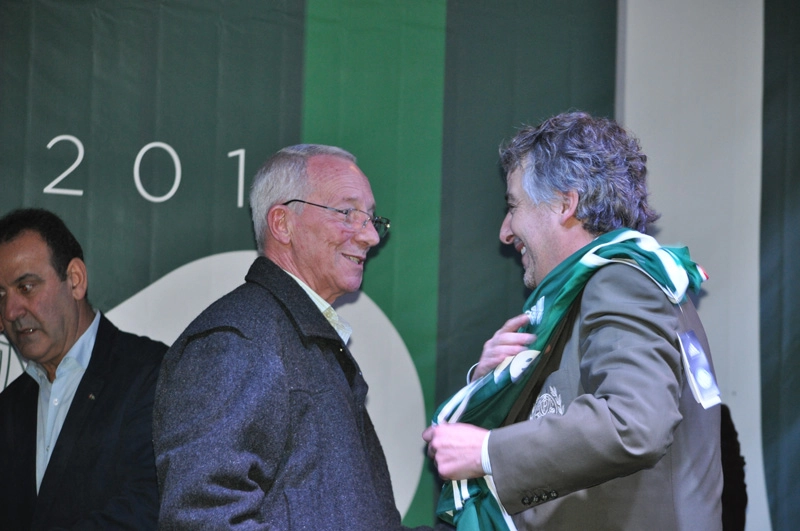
22,441
306,317
87,395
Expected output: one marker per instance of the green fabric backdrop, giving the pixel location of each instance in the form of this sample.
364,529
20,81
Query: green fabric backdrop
421,91
373,83
780,253
508,63
204,77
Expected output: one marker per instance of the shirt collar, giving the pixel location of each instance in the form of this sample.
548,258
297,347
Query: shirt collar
79,355
341,326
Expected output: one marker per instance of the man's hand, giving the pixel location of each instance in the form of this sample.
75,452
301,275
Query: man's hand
504,343
456,449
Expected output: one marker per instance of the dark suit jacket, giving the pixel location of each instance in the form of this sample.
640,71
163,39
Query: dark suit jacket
101,474
260,420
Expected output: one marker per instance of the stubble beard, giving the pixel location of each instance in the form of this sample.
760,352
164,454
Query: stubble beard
529,277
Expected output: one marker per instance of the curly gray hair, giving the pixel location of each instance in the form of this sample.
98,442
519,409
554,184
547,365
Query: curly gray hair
596,157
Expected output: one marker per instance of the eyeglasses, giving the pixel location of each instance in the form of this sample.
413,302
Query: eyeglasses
354,217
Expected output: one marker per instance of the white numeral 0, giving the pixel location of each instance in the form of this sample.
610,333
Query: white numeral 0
51,188
138,180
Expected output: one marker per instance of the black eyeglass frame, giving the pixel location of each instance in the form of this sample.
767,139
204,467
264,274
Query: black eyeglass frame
381,224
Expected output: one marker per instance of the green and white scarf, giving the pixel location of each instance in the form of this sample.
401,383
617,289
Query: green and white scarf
473,505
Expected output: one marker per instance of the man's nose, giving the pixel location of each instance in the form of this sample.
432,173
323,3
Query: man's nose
369,235
11,307
506,235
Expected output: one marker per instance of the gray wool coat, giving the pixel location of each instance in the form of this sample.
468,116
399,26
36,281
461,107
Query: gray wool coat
260,420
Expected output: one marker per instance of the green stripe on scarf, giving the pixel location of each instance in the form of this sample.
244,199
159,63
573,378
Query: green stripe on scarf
473,505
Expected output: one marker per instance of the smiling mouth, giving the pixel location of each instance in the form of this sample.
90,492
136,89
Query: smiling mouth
354,259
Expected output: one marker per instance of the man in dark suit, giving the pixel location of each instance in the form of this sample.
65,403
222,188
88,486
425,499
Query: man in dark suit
615,425
260,419
76,426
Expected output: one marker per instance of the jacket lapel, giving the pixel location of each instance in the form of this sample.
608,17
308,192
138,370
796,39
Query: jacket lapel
306,317
22,439
70,439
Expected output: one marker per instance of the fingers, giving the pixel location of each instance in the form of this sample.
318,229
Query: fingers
507,341
504,343
515,323
455,449
428,436
508,332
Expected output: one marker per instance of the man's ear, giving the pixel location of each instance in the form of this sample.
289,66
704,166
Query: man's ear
77,278
569,204
279,224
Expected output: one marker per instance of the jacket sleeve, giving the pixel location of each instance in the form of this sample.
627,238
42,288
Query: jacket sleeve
627,405
220,428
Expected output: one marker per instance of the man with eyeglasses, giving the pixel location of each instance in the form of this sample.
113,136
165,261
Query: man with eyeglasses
260,419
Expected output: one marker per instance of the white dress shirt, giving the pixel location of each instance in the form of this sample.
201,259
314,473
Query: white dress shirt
55,397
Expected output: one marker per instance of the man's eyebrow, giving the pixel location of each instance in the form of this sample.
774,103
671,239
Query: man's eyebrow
352,200
26,276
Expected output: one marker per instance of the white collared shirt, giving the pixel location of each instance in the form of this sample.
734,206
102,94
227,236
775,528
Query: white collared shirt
56,397
341,326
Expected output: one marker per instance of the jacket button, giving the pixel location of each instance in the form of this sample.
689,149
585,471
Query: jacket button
544,496
526,501
553,494
535,499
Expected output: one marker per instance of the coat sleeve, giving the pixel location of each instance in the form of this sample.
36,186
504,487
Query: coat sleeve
627,407
220,428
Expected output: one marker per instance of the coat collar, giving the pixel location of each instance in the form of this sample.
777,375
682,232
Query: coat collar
299,306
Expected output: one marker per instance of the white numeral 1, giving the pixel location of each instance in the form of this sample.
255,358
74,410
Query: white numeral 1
240,190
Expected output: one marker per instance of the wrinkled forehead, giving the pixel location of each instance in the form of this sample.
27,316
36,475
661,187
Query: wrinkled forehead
336,178
26,253
514,180
28,241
